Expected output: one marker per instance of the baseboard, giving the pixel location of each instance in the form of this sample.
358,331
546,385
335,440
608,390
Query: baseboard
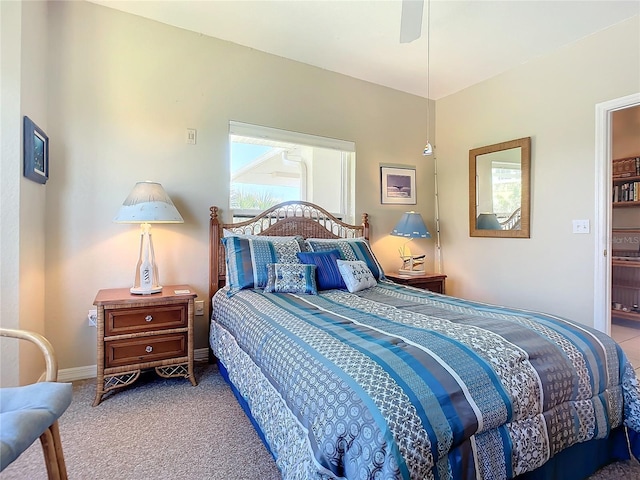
77,373
201,355
91,371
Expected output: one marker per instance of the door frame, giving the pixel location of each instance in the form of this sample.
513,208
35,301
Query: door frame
602,221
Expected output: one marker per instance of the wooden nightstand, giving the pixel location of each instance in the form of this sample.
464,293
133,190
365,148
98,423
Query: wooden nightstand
137,332
433,282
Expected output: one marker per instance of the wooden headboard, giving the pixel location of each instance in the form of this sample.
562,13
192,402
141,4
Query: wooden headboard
284,219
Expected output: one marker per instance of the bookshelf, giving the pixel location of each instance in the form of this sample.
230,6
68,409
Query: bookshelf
626,182
625,274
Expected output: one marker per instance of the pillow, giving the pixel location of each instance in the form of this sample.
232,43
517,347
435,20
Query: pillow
291,278
356,275
247,259
327,273
277,238
350,249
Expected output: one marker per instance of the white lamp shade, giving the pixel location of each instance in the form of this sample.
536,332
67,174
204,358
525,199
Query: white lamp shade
148,203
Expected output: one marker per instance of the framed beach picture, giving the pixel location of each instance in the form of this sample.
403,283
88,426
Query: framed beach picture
36,152
398,185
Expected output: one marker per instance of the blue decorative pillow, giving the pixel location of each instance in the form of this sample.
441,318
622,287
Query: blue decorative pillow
247,259
350,249
291,278
327,273
356,275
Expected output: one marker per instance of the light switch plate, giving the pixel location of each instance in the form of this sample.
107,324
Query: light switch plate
581,226
191,136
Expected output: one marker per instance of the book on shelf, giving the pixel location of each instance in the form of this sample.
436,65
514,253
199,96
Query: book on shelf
626,192
626,167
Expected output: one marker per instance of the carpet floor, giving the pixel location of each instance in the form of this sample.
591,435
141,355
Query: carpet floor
167,429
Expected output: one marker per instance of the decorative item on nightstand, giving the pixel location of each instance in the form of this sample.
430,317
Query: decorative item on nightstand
411,226
147,203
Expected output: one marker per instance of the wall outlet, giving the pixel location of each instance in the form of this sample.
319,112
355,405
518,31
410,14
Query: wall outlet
199,307
92,317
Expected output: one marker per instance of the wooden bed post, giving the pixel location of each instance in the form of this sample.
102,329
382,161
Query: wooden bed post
214,245
365,225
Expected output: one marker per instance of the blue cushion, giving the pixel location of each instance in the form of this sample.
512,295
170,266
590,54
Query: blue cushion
291,278
350,249
327,273
247,259
26,412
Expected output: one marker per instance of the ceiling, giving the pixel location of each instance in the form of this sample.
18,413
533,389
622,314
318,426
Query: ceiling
471,41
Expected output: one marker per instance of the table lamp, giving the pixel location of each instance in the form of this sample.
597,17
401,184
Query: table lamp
411,226
488,221
146,204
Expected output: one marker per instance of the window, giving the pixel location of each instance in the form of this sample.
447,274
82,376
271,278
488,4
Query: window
506,181
269,166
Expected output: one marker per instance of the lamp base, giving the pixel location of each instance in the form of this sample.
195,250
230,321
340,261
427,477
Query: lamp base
402,271
146,291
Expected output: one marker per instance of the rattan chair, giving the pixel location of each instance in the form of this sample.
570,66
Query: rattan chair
32,411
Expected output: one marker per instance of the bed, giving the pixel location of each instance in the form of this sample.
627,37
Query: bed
388,381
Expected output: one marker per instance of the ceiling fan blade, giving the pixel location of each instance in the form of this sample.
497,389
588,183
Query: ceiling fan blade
411,20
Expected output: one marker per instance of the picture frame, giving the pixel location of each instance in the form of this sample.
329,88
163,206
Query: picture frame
398,185
36,152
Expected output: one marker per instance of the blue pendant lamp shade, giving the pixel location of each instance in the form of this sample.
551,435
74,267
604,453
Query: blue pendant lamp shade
411,225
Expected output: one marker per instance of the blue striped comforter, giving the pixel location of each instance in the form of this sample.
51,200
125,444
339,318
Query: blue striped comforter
394,382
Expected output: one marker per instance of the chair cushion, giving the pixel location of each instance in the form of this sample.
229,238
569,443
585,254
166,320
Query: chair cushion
26,412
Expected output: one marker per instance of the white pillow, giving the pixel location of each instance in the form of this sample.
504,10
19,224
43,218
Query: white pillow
356,275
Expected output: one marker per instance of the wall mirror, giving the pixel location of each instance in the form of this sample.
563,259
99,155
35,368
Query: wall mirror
499,182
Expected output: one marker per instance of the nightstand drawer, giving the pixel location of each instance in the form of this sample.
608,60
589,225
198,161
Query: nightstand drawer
144,319
145,349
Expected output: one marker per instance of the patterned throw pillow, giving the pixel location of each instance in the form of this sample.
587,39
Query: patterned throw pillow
275,238
327,274
356,275
291,278
247,259
350,249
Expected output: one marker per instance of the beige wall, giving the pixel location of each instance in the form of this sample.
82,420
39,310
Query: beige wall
123,90
10,31
552,99
24,40
625,128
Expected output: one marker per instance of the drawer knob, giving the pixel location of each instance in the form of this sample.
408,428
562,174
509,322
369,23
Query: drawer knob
148,318
149,349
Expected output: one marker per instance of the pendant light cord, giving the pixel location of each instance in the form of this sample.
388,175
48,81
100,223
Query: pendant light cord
428,66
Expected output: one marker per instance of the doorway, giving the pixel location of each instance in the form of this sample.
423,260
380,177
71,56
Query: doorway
603,220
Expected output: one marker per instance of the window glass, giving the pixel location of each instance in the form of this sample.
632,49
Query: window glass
506,181
269,166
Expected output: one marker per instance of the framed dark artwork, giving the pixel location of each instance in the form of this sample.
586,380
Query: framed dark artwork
36,152
398,185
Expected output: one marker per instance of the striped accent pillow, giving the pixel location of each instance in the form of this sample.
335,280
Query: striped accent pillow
327,273
247,259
